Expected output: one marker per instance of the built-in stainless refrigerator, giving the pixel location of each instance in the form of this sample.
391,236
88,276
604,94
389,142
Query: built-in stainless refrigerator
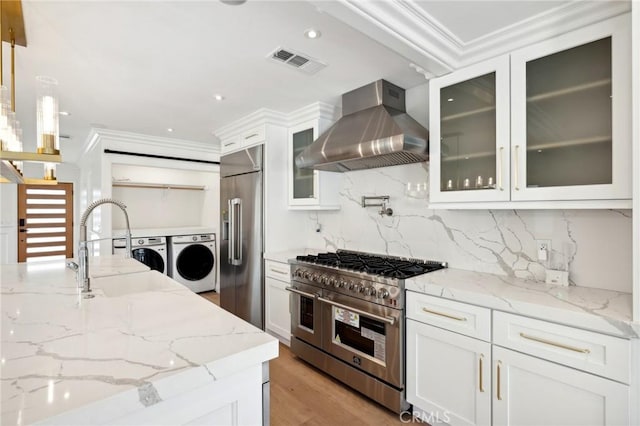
241,245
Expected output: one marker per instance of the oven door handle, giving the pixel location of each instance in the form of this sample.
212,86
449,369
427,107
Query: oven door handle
388,320
300,292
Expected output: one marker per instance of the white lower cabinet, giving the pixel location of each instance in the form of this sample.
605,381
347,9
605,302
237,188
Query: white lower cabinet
461,380
277,315
532,391
451,377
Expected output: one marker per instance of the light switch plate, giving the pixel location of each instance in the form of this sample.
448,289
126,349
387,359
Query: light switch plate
557,277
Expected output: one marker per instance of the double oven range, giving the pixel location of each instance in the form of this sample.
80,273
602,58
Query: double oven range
347,319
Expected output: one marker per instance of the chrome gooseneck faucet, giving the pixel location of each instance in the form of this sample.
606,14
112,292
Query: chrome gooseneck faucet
83,251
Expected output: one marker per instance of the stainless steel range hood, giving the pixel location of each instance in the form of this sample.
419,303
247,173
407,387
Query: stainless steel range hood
374,131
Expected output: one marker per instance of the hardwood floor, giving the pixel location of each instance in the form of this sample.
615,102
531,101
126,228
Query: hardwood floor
303,395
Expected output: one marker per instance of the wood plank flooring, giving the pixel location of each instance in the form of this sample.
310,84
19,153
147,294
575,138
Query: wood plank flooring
303,395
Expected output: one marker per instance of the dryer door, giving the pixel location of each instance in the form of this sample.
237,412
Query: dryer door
195,262
149,257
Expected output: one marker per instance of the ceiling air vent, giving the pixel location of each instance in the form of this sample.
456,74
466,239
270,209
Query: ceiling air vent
296,60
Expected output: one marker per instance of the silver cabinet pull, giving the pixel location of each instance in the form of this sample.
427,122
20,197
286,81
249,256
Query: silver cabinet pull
442,314
516,168
498,391
253,135
230,143
277,271
300,292
500,157
480,385
388,320
556,344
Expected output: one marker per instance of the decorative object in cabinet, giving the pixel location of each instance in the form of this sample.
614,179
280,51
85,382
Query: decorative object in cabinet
310,189
567,105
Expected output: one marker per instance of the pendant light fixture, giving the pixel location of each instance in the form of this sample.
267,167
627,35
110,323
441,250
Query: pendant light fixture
11,148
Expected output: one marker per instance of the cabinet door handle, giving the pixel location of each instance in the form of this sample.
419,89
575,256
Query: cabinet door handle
516,168
253,135
556,344
498,391
229,144
442,314
500,156
277,271
480,372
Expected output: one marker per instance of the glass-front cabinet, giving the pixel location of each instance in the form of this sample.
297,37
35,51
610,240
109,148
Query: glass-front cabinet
470,119
570,115
549,122
310,189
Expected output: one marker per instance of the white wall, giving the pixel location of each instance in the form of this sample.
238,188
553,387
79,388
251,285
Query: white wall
167,208
594,244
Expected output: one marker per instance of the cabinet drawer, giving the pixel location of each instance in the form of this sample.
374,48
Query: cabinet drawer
279,271
596,353
459,317
253,136
230,144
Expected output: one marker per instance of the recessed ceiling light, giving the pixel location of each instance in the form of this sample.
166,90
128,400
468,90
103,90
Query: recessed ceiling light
312,33
65,113
170,129
450,100
218,97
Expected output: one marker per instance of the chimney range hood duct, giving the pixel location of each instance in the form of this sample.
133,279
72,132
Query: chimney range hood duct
374,131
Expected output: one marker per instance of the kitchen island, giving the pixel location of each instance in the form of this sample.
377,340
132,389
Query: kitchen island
144,350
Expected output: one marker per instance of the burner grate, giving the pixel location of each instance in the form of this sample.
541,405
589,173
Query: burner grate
386,266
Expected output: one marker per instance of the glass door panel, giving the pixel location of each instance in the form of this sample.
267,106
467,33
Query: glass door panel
569,117
468,134
302,178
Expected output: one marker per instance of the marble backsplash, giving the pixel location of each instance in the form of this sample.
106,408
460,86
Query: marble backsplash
593,245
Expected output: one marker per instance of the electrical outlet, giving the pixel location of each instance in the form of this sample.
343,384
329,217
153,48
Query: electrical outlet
557,277
543,248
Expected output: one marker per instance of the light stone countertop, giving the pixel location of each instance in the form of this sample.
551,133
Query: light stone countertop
99,359
285,256
599,310
104,266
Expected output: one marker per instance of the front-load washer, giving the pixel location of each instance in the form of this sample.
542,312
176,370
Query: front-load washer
193,261
152,251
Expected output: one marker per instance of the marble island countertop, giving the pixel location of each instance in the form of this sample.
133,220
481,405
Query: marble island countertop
599,310
143,339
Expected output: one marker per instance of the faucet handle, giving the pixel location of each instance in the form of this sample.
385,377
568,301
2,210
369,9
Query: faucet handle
73,265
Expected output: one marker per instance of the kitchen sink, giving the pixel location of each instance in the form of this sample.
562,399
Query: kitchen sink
138,282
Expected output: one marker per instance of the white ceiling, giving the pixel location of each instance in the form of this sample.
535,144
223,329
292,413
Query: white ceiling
145,66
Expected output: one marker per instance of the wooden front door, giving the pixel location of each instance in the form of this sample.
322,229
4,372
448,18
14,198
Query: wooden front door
45,221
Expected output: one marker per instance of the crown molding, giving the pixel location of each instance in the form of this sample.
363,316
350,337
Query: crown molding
313,111
256,118
105,138
403,26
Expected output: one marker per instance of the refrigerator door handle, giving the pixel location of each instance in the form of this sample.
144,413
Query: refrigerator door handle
230,232
236,231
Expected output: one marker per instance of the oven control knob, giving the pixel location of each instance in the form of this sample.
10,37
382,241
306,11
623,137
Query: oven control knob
315,277
341,283
351,285
383,293
306,275
368,291
360,287
324,279
332,281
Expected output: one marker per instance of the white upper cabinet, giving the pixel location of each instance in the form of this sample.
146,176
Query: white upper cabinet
547,123
310,189
470,119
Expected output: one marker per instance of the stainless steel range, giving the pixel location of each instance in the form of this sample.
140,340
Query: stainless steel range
347,319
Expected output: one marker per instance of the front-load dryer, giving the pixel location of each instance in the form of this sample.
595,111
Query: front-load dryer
193,261
152,251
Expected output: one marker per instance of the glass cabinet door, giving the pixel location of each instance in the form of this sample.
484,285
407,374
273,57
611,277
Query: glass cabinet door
302,178
564,129
470,120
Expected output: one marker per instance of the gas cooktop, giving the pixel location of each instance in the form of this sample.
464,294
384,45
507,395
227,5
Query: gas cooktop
385,266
